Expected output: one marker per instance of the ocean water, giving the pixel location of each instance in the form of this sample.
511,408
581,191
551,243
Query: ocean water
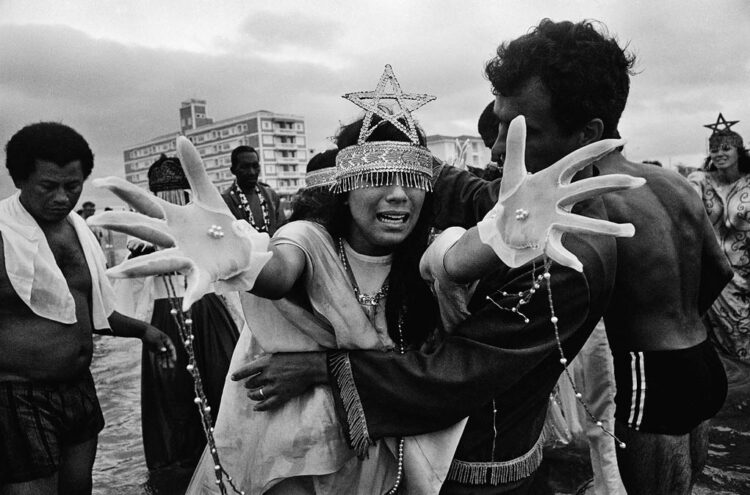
120,468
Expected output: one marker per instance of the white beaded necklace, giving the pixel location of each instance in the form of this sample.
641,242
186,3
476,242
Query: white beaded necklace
245,204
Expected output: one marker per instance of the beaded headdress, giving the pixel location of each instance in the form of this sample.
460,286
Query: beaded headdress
380,163
321,170
166,175
724,135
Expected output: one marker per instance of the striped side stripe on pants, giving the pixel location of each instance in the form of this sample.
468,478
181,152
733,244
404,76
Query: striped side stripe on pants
638,384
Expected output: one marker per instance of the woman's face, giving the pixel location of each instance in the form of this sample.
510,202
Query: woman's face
382,217
724,157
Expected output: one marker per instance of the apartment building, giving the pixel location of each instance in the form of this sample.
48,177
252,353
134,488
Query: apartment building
280,140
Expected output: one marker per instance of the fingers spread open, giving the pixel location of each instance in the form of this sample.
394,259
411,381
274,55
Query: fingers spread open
158,263
594,186
570,164
577,223
557,252
133,195
134,224
514,168
205,193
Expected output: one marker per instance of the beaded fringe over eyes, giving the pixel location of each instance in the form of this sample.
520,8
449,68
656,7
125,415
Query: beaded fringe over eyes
383,163
378,179
324,177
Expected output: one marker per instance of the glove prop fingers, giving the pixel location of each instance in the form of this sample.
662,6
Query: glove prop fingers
557,252
158,263
570,164
514,167
595,186
204,192
134,224
570,222
137,198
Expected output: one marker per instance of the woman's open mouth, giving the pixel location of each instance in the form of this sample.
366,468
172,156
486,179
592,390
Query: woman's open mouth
393,218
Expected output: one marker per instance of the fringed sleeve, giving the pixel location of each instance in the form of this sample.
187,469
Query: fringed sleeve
347,398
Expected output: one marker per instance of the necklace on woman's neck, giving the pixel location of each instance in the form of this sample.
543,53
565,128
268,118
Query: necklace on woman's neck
367,300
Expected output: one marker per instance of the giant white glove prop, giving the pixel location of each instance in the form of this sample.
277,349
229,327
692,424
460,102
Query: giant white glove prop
203,239
533,210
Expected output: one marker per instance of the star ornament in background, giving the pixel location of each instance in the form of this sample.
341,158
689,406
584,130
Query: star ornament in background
202,239
721,121
533,211
390,106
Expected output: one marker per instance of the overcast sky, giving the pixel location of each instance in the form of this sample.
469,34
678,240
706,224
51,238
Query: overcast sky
116,71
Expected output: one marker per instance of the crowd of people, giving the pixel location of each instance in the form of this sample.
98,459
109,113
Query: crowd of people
330,366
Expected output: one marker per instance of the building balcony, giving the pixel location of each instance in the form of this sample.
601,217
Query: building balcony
285,132
294,174
287,160
285,146
287,190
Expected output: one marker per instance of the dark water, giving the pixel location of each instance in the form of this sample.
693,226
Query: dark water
121,470
120,467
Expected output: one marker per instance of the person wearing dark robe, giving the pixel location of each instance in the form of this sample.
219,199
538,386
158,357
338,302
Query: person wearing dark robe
173,435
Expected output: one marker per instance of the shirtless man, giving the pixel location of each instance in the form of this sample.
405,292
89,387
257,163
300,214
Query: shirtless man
669,379
50,264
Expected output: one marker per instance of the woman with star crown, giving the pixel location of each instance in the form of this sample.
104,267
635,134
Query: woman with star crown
349,279
352,283
724,186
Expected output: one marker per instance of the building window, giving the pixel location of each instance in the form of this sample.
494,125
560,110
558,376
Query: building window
266,125
268,155
299,126
271,169
268,139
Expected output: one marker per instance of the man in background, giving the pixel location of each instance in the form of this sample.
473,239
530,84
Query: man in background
248,198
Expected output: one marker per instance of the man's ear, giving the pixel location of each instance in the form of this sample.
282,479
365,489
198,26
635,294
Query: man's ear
591,132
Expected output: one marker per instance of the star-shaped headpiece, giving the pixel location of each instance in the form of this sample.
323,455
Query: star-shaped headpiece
721,121
390,105
724,135
382,163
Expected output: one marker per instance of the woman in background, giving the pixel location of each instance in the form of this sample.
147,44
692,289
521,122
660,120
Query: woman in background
724,185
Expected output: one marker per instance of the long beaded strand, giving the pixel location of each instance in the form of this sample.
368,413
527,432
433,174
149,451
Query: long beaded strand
400,469
523,298
185,326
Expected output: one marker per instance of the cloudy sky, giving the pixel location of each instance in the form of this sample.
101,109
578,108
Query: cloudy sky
117,70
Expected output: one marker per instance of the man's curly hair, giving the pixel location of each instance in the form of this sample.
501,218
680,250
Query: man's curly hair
584,68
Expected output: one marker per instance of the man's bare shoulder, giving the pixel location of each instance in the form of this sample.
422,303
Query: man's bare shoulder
665,190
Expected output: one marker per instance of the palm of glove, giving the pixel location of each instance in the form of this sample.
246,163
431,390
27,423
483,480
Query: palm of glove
203,239
533,210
